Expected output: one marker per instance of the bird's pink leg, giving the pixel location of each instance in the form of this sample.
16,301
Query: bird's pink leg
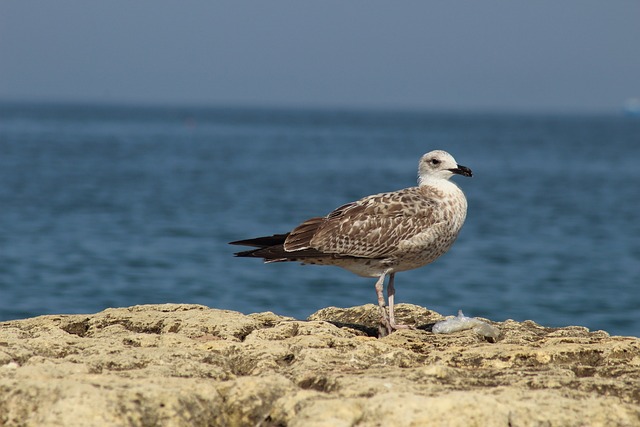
391,291
383,311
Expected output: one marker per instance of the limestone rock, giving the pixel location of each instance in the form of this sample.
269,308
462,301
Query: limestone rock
189,365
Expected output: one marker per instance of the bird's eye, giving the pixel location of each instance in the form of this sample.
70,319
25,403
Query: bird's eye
435,162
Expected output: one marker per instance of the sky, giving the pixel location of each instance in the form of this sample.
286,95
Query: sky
507,55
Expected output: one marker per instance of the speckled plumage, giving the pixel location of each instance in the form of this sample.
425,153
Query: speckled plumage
381,234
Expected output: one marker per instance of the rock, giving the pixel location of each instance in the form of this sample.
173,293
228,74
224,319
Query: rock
189,365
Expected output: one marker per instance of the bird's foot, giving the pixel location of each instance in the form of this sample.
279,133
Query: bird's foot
396,326
389,325
388,322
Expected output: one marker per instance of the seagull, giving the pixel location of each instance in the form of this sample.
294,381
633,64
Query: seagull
379,235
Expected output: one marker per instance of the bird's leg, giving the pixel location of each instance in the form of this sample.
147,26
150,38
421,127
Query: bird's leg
391,291
383,312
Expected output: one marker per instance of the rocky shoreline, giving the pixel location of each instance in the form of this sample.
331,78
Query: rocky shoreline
190,365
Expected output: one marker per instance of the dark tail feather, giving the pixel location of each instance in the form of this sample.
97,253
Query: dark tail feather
253,253
262,242
271,249
268,254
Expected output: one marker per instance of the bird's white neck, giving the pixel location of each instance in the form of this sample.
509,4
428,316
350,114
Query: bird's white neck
439,183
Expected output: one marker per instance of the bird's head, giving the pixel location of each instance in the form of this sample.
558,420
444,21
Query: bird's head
439,164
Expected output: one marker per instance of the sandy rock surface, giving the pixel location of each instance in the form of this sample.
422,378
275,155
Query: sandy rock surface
189,365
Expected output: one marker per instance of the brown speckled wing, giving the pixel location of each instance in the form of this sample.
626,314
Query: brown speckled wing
300,237
372,227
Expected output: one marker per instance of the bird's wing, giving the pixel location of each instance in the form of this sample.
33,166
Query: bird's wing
372,227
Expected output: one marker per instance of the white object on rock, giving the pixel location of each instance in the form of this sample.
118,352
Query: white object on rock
462,322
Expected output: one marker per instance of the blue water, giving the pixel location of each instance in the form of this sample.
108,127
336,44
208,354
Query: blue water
115,206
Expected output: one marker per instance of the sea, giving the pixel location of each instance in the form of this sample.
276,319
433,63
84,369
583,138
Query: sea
114,206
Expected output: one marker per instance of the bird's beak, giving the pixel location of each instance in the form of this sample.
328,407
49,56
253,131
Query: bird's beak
462,170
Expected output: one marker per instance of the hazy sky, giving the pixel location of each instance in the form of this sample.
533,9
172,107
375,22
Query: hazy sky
431,54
